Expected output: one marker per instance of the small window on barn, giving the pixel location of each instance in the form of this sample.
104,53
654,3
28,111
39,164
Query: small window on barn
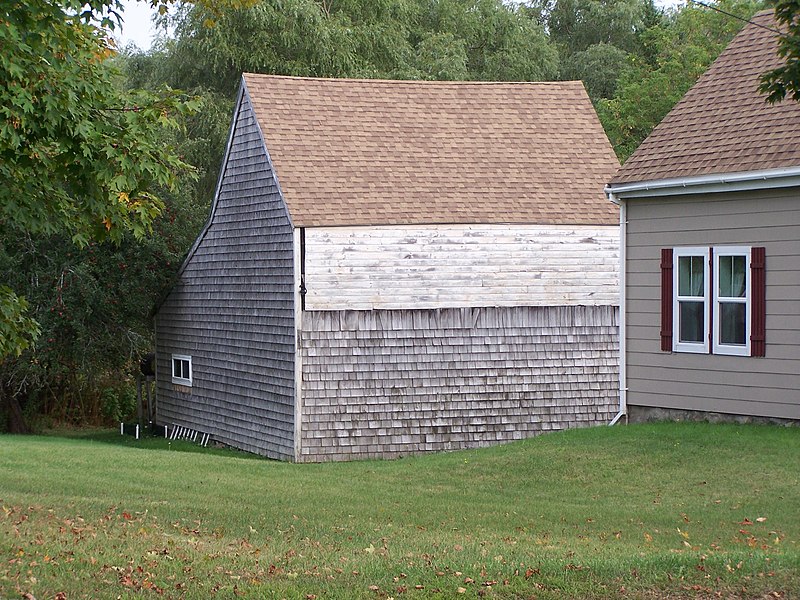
713,300
182,369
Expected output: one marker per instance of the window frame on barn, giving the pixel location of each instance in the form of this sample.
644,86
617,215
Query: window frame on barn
181,369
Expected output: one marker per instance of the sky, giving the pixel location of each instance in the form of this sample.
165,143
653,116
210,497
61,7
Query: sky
137,26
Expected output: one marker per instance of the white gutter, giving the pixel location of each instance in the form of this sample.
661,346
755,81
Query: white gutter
701,184
623,378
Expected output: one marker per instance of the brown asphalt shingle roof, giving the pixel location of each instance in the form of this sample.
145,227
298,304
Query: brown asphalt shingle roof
373,152
723,124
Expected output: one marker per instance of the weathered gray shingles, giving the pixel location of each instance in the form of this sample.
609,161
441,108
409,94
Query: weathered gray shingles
389,383
232,310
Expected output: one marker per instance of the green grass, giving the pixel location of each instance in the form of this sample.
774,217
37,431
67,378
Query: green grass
655,511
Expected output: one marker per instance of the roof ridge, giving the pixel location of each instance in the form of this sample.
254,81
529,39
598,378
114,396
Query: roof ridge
409,81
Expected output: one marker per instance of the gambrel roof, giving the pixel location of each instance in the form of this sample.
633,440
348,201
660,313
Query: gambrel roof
376,152
723,124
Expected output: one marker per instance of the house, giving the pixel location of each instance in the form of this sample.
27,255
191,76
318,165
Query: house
393,267
710,206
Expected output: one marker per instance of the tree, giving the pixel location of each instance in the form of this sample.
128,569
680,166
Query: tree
785,80
682,50
78,156
599,67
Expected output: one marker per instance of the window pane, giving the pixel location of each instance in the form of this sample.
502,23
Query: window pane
690,275
176,367
185,369
692,321
733,323
732,276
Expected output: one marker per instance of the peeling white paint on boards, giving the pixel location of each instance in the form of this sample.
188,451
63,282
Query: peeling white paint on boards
441,266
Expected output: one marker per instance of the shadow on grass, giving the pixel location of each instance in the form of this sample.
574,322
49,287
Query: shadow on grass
147,441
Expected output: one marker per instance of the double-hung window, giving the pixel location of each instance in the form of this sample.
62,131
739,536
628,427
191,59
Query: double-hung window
713,300
182,369
732,301
690,303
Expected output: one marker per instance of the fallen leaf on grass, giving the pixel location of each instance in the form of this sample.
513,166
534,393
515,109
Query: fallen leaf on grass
461,590
761,519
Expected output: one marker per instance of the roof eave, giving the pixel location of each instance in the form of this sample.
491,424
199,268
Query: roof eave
703,184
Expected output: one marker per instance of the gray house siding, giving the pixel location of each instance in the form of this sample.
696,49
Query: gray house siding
232,311
388,383
768,386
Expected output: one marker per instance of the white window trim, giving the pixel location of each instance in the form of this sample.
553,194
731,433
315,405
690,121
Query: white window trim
677,345
181,380
719,348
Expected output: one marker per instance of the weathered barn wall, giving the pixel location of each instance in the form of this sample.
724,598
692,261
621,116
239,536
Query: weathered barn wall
232,311
390,383
444,266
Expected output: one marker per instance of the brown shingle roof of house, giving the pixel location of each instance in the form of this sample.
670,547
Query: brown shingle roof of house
373,152
723,124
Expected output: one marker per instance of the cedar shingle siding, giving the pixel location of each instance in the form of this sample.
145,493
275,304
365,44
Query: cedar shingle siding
391,383
232,310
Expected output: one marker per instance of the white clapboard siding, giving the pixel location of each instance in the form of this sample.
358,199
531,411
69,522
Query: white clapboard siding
442,266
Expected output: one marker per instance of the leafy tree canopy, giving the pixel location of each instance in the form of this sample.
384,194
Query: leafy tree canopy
681,49
77,154
785,80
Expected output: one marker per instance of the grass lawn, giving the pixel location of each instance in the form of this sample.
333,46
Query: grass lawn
646,511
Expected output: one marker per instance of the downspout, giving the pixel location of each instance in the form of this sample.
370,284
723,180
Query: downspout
623,379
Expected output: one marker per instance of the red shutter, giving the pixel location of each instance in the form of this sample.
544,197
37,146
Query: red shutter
758,302
666,299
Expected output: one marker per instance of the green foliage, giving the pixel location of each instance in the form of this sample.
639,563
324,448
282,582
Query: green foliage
75,154
17,330
599,67
682,49
93,307
78,157
785,80
118,402
637,512
575,25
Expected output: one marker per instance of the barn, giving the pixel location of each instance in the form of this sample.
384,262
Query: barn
394,267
